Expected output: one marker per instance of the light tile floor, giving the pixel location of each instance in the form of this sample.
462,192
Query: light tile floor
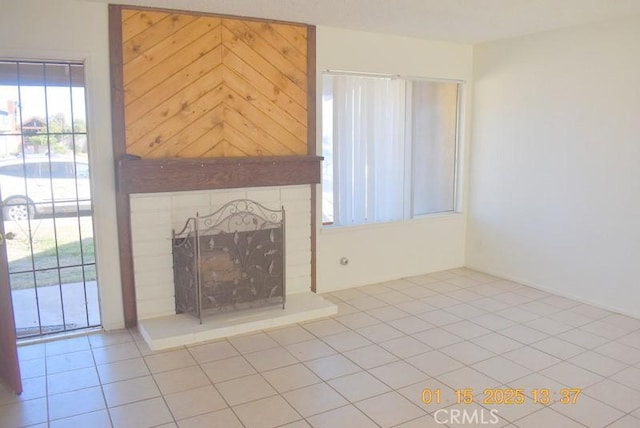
391,345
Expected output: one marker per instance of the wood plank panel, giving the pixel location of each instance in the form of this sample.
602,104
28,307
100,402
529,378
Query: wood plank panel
278,132
262,139
181,81
178,68
174,115
182,47
264,67
210,139
188,135
243,32
247,92
279,43
292,33
264,86
135,22
145,40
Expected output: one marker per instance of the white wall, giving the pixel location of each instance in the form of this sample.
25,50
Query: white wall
389,251
555,162
73,30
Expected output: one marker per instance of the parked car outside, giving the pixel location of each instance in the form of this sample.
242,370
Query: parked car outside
42,185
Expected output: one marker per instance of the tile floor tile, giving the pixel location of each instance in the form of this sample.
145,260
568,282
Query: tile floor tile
244,389
310,349
571,375
271,358
98,419
547,417
253,342
620,351
615,395
597,363
109,338
194,402
398,375
69,361
291,377
72,380
387,313
589,412
439,317
358,386
467,377
466,329
266,413
629,377
379,332
23,413
332,366
523,334
357,320
434,363
169,360
227,369
289,335
75,403
502,369
626,422
389,409
212,351
224,418
531,358
558,348
496,343
343,417
346,341
410,324
405,346
122,370
324,327
181,379
65,346
145,413
129,391
314,399
115,353
370,356
467,352
437,338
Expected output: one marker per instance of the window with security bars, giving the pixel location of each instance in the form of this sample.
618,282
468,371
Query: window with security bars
389,147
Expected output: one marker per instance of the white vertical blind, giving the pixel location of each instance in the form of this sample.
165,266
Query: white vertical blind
389,147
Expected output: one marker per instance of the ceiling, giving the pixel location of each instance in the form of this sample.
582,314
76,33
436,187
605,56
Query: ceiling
463,21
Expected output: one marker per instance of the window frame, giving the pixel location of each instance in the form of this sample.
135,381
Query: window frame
408,190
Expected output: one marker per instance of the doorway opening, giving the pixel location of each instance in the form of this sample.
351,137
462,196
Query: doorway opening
46,198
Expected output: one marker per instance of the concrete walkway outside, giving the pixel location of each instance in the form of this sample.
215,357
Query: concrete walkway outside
51,300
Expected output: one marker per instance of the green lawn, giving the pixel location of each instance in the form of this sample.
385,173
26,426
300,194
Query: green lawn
54,266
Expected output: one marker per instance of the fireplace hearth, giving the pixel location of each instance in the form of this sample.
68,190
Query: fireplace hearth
230,260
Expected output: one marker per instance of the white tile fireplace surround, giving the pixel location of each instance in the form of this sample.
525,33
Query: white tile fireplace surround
155,215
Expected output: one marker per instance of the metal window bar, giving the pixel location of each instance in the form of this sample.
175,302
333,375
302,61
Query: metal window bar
70,70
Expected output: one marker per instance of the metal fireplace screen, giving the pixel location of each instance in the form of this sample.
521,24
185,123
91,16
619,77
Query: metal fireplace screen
229,260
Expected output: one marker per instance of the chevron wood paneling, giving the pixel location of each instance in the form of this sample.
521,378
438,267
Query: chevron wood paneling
208,86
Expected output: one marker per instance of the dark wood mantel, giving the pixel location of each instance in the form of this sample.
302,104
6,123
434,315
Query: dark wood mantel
180,174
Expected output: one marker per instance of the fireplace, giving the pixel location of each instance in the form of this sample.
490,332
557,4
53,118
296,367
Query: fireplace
153,218
229,260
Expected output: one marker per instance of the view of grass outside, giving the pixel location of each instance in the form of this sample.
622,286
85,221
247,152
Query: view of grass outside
71,251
